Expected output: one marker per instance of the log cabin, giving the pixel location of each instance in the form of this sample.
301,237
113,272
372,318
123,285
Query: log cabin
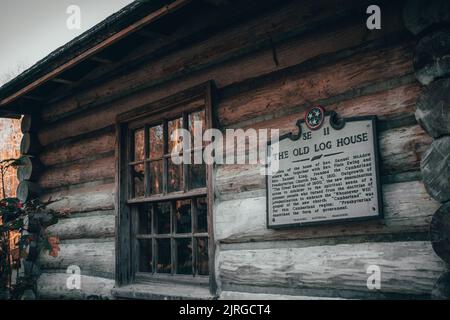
99,113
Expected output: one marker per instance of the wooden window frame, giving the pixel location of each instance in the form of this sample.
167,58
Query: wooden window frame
190,100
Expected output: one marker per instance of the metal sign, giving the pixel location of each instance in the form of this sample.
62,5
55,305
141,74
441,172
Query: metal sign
327,172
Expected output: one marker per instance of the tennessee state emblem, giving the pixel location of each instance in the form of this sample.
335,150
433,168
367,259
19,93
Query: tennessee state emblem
314,117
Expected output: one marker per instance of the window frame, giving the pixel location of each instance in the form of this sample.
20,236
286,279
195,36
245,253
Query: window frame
127,255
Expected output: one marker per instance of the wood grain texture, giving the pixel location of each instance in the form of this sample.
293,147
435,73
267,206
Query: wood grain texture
95,226
355,71
83,199
93,257
432,56
97,169
407,208
435,167
433,108
79,150
54,286
409,268
300,88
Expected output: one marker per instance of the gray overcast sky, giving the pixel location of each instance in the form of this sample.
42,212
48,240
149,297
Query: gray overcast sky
31,29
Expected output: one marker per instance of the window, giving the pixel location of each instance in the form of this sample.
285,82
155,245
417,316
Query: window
163,207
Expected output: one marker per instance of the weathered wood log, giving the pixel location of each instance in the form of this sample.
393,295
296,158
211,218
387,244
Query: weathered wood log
234,295
407,208
73,151
85,199
98,169
316,85
96,226
441,290
30,123
440,232
29,169
29,145
27,190
54,286
216,58
407,268
420,15
94,257
354,72
435,167
433,108
432,57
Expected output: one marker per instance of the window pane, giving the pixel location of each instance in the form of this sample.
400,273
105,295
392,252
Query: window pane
174,139
202,256
197,176
184,256
183,216
202,215
139,145
145,219
174,176
156,141
145,258
162,216
137,176
197,122
156,174
163,264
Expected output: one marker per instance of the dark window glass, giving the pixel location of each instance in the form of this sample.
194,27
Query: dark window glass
145,261
184,256
183,216
138,178
202,256
156,138
162,216
163,264
202,215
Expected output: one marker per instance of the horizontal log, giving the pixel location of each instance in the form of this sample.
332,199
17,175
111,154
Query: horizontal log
421,15
407,208
301,88
96,226
293,19
407,268
83,199
54,286
98,169
433,108
73,151
400,148
96,257
393,62
435,166
432,57
387,104
234,295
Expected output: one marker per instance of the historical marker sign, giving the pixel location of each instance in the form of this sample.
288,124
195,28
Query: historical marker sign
327,172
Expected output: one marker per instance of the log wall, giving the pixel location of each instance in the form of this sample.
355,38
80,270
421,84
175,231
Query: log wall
268,70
